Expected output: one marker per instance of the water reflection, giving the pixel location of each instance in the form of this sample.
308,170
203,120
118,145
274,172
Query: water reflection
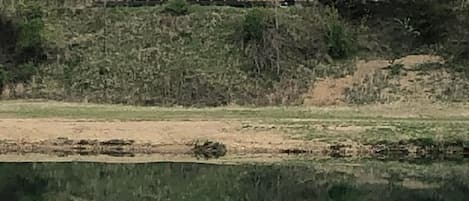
193,182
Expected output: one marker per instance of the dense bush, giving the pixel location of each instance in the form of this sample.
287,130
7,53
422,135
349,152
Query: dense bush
339,40
3,76
21,42
177,7
254,25
338,36
402,26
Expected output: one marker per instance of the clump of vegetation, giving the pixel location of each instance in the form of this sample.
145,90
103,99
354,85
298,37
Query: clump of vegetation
254,25
431,19
21,44
423,147
396,69
455,90
177,7
371,90
340,41
3,76
209,149
257,33
456,48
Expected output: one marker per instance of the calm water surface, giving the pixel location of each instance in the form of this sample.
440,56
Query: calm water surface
330,180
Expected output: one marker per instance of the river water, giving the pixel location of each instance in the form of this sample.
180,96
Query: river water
335,180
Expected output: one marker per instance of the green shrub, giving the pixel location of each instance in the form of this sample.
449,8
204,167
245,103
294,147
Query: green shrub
3,77
31,25
396,69
254,25
23,72
177,7
30,33
21,43
340,41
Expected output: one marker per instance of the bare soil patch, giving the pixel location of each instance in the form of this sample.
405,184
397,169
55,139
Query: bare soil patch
330,91
65,137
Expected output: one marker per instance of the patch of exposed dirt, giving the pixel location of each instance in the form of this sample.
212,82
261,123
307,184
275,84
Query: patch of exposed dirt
330,91
66,137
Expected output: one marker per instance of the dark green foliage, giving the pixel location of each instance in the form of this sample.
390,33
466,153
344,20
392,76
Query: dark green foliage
4,77
177,7
396,69
339,40
30,34
433,19
456,48
344,193
259,37
21,42
322,181
23,72
254,25
29,46
426,22
20,183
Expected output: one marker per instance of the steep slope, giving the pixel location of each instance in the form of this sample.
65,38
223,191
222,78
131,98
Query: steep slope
410,84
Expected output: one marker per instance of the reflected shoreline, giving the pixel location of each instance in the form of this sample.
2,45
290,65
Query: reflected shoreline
322,180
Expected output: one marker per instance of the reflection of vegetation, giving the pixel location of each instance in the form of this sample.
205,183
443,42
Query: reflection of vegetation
343,193
186,181
19,183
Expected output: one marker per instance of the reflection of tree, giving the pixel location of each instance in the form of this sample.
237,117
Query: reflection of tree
274,183
19,183
343,192
193,182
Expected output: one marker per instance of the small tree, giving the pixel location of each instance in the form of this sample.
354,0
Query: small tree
254,25
21,44
3,77
340,41
177,7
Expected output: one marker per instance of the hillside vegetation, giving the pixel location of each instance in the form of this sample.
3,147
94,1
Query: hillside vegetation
191,55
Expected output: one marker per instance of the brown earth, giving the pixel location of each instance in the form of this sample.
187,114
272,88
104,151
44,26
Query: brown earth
62,136
150,141
330,91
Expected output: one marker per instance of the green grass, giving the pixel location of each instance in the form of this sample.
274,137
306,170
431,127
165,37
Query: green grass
372,131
